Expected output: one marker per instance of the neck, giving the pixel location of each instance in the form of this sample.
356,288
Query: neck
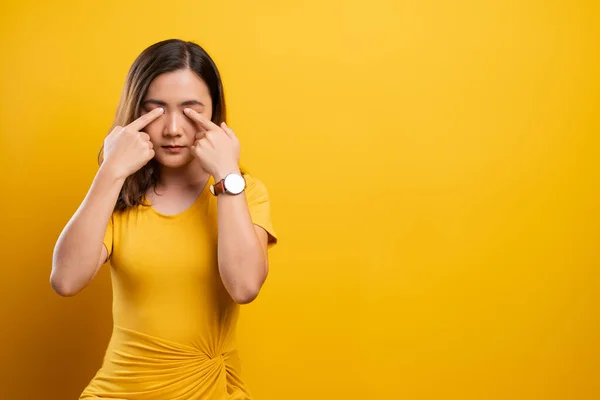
190,175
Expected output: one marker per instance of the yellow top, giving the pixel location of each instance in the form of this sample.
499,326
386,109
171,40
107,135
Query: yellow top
174,323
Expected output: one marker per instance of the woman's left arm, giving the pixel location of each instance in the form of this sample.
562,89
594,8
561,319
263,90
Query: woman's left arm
242,249
242,246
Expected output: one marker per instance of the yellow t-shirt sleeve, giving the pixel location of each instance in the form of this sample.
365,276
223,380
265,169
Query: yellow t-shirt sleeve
108,237
259,206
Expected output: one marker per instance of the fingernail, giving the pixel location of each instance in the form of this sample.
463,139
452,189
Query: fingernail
187,110
161,110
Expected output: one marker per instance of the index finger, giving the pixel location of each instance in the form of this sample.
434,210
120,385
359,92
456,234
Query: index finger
201,119
145,119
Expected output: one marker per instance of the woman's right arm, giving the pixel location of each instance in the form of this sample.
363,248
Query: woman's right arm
79,252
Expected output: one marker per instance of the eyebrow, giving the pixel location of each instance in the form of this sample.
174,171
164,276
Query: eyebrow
184,104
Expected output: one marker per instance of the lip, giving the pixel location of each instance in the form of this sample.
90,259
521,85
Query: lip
174,149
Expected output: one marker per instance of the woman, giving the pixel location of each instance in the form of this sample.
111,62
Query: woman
185,231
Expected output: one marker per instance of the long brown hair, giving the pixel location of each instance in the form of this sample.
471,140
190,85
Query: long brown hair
166,56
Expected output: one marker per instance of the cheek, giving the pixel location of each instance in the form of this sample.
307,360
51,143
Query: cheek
198,136
154,130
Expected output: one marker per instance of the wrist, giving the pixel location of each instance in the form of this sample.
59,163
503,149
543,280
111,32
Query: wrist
108,172
231,182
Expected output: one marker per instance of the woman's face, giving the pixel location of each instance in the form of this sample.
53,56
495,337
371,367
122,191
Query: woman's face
173,133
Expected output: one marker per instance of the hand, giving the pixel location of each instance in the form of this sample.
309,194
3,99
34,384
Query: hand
127,149
216,147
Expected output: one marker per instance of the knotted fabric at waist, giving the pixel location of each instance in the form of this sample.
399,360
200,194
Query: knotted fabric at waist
138,366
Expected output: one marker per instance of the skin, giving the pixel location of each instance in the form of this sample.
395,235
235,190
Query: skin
175,112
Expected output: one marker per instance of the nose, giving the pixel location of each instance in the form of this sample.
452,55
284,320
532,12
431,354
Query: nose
174,123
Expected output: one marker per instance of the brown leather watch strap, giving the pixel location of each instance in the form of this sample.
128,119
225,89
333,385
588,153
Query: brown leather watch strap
218,187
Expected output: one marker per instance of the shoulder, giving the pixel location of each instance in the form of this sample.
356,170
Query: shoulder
252,180
255,188
259,206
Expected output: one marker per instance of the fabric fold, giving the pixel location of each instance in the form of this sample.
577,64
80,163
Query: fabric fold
138,366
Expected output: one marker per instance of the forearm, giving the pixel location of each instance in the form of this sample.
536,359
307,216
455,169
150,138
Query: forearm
242,262
78,250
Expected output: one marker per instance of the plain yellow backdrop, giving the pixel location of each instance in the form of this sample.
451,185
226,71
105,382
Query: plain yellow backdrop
433,170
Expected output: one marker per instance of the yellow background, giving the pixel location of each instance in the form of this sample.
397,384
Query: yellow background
433,168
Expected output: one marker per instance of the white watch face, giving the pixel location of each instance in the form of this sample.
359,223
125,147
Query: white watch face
234,183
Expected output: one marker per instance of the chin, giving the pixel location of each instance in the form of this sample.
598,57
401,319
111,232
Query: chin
174,161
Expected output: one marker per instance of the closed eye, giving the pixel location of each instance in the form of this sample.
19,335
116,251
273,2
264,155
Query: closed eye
149,108
151,104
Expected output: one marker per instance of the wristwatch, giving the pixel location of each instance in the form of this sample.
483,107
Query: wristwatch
231,184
